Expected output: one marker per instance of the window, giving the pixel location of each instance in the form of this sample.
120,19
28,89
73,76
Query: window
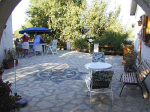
146,30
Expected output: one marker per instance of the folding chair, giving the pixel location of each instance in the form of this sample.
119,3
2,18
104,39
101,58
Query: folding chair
53,47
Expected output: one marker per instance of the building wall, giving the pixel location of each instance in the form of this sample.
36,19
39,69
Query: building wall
137,30
7,39
145,50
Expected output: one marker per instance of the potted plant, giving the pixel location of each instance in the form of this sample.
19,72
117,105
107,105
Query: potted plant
8,62
129,60
7,100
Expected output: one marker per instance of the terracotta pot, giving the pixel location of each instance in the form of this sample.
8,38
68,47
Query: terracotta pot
10,64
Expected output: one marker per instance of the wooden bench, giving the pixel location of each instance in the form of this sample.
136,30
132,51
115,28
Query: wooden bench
138,78
62,45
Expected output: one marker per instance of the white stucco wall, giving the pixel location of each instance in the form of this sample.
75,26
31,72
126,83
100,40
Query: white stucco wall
145,50
7,39
137,31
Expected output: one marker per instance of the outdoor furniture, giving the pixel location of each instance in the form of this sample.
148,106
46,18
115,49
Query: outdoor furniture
96,70
43,45
99,82
38,48
33,30
138,78
53,47
97,66
19,51
98,57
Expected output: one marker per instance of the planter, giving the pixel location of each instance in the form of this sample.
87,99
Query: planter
10,64
78,49
85,50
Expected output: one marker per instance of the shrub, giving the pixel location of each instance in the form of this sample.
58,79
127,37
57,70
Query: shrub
112,38
129,60
7,100
79,43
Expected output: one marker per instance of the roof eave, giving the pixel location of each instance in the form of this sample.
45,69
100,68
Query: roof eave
133,8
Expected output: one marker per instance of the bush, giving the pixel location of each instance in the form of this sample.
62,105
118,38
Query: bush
79,43
129,60
7,100
112,38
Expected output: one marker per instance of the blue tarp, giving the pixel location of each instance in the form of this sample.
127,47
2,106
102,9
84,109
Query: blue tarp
35,30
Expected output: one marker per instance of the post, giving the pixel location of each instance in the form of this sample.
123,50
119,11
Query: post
90,47
96,47
15,75
69,46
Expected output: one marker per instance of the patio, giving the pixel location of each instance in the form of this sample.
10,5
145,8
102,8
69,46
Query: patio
64,89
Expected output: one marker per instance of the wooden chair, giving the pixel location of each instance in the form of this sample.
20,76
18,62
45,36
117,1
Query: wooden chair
100,82
138,78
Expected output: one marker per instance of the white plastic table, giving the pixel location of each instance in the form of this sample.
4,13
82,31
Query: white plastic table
93,66
97,66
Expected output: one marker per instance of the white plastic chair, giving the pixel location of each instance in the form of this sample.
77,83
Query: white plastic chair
38,48
53,47
98,57
99,82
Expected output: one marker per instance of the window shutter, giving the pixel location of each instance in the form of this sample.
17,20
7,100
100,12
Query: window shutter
144,27
147,36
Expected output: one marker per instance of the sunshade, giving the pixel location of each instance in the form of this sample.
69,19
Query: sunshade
35,30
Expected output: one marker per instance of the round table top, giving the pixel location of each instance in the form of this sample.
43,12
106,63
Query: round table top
98,65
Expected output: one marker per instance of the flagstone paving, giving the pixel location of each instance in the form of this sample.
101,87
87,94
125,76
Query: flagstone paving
34,81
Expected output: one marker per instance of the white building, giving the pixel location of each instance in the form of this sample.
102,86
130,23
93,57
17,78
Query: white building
142,34
7,39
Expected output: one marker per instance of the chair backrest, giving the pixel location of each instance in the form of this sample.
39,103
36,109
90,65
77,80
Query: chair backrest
98,57
54,44
143,70
38,47
101,79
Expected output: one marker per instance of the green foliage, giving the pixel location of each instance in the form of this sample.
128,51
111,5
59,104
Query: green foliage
63,17
67,18
114,36
7,100
98,19
129,61
79,43
9,56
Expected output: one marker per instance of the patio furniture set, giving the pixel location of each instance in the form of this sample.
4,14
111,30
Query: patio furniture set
42,48
100,76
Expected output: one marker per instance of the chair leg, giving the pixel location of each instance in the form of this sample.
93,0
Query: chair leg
121,90
47,51
121,77
141,90
90,99
87,93
112,97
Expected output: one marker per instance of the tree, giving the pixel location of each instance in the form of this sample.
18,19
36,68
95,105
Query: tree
63,17
98,19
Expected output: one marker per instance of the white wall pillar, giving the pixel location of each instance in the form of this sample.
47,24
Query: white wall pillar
69,46
96,47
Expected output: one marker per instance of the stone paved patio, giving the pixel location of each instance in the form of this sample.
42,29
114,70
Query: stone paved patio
71,95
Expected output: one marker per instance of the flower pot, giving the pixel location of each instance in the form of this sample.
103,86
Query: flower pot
10,64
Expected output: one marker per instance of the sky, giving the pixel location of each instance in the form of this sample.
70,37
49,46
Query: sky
19,16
